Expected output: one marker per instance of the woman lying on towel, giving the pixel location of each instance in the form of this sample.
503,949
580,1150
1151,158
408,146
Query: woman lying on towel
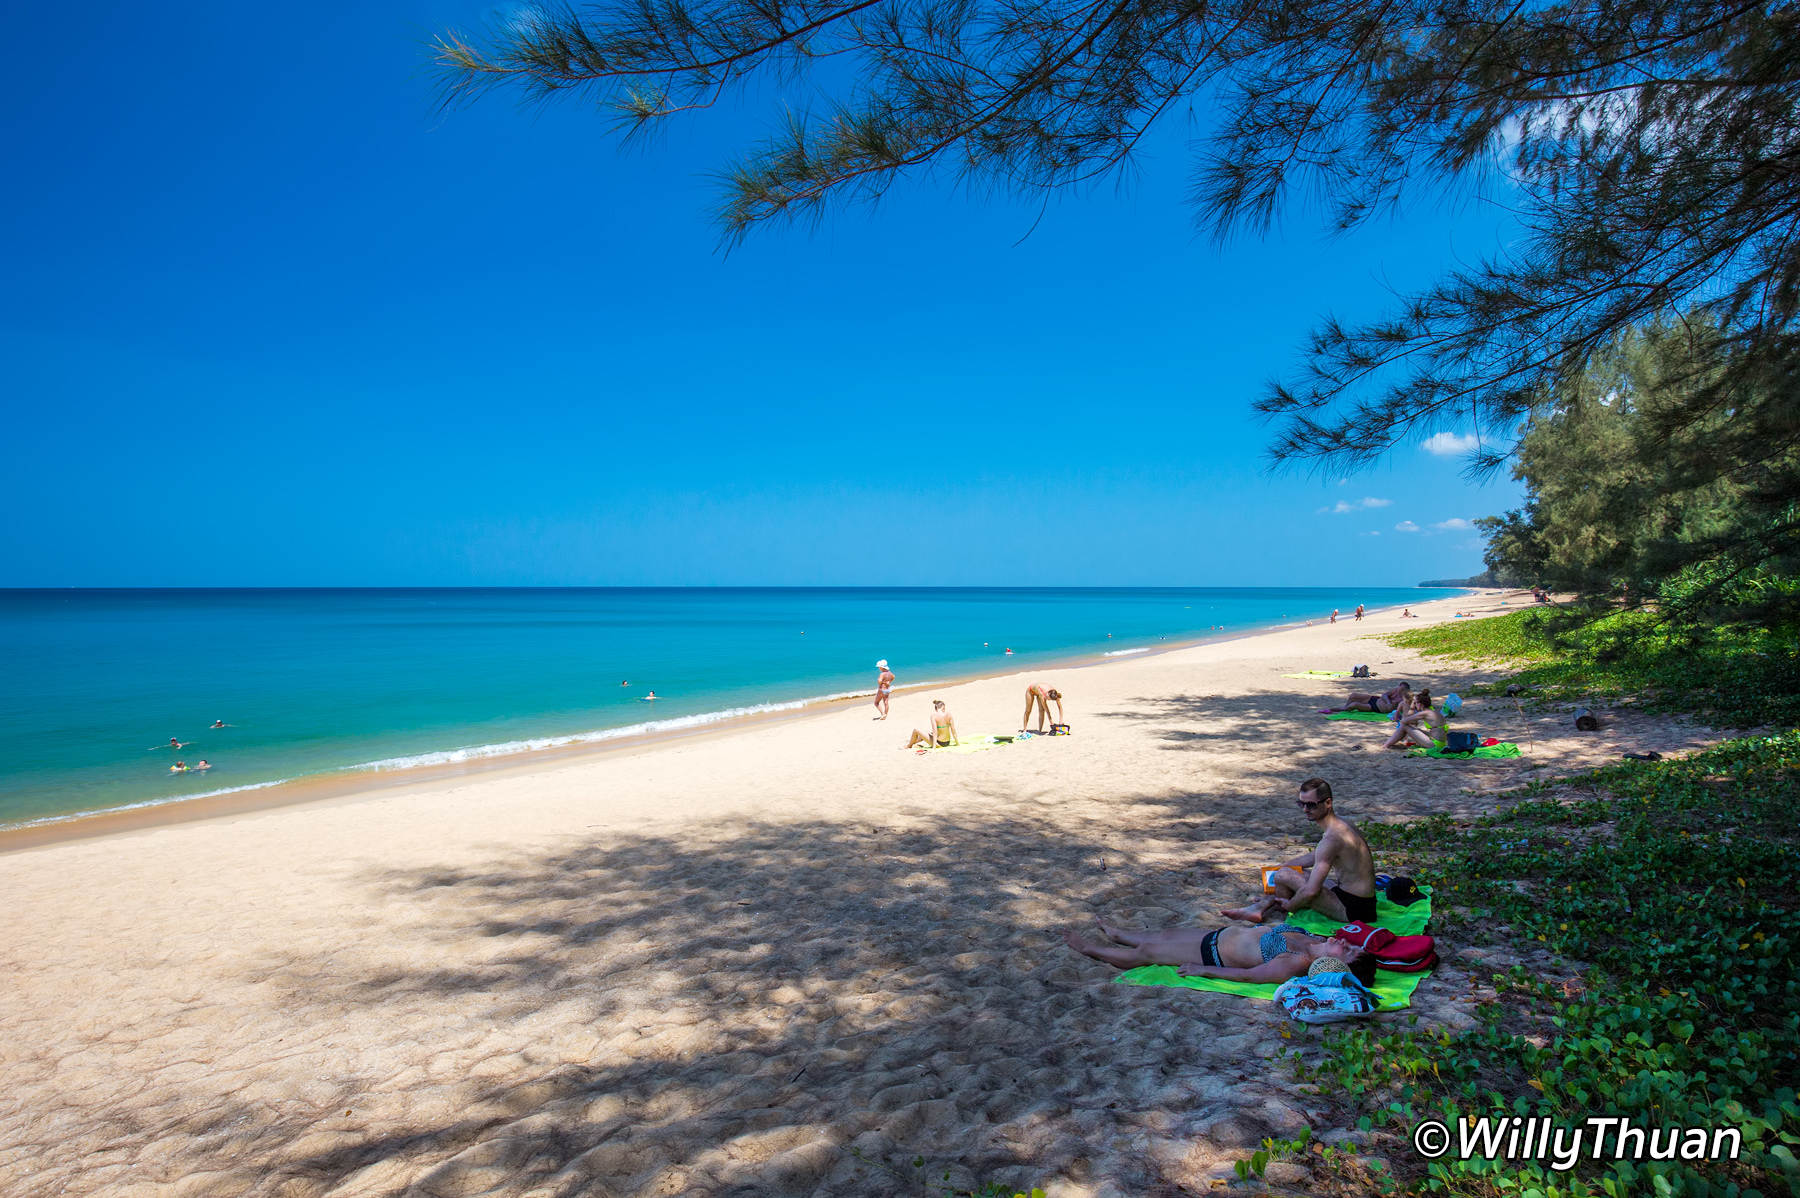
1230,954
1379,704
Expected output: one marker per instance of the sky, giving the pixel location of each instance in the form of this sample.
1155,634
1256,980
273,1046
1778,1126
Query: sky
273,318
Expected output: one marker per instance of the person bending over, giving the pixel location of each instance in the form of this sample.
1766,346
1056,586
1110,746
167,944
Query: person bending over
1039,699
943,729
1231,954
1301,884
1380,704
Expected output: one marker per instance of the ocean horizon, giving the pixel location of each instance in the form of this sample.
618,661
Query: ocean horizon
320,681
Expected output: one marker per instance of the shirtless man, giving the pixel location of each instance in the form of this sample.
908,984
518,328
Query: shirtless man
1300,883
884,682
1231,954
943,729
1040,699
1381,704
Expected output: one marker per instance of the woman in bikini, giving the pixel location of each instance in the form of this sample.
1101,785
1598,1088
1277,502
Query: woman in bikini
943,729
1380,704
884,682
1036,697
1420,726
1230,954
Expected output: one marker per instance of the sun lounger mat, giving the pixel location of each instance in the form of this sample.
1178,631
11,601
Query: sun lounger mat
1504,749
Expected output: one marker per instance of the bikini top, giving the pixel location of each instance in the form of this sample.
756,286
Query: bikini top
1273,942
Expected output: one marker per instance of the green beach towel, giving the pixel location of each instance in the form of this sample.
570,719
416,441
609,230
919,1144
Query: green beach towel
1504,749
1364,717
1319,674
1395,990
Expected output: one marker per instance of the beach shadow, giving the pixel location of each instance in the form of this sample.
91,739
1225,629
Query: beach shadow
740,1014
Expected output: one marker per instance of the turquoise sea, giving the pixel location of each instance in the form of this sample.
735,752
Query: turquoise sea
315,682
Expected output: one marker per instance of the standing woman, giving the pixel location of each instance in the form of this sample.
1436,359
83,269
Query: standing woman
1037,697
884,682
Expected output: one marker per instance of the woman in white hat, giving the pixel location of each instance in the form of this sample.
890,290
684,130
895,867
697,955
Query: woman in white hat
883,684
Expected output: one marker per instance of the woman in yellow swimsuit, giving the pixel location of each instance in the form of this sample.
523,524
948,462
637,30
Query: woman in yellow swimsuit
943,729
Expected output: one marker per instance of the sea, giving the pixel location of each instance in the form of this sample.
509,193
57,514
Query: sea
94,684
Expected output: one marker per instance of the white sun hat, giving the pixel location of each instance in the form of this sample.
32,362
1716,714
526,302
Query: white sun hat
881,665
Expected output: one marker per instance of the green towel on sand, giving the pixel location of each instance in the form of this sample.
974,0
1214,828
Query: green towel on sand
1367,717
1393,989
1504,749
1320,674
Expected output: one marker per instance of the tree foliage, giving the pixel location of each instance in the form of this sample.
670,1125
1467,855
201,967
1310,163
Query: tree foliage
1649,147
1642,487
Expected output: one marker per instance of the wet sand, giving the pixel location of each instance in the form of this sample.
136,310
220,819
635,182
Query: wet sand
721,965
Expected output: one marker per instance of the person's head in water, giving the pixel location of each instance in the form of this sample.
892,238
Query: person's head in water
1315,799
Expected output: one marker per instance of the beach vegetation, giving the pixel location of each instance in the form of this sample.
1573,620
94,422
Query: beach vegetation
1629,937
1645,147
1661,478
1726,674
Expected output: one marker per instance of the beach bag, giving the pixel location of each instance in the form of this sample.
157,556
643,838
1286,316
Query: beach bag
1461,742
1396,954
1325,998
1059,730
1359,672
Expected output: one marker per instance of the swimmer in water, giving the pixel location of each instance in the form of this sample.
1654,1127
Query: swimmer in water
649,698
624,684
220,724
180,767
204,764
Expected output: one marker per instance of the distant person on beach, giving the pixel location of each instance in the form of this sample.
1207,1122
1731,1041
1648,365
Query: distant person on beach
1359,611
1301,883
943,729
1380,704
1406,614
1036,697
1230,954
1334,612
884,683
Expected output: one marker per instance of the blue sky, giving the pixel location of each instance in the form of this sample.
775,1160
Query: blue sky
273,319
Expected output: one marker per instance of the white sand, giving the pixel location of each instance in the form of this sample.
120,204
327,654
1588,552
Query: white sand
716,966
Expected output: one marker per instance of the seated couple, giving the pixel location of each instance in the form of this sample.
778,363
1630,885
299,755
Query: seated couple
1420,723
1271,954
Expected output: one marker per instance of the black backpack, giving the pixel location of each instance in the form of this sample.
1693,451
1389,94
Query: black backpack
1462,742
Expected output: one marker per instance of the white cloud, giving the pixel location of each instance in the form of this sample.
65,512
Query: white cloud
1447,444
1406,526
1355,505
1452,524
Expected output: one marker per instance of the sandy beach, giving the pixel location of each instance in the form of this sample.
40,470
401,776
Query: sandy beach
722,965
